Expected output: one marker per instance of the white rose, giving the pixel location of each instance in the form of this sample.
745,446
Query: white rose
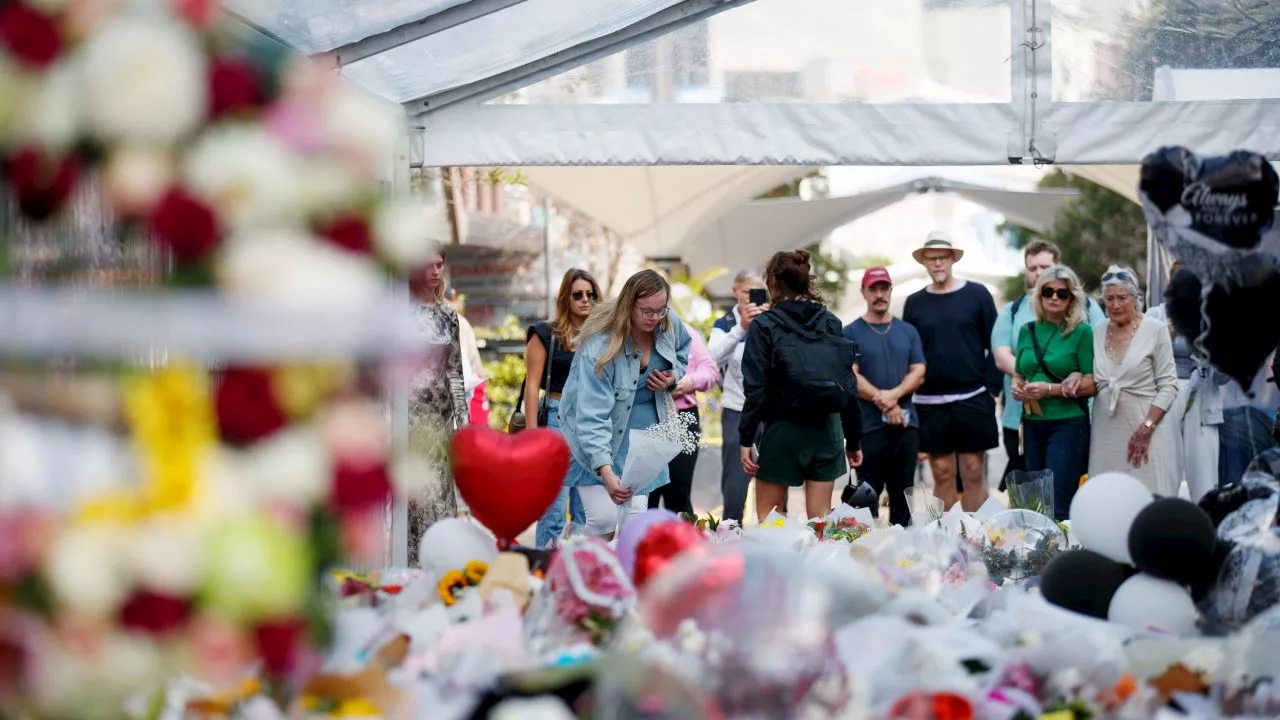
247,175
364,129
135,177
408,232
227,492
292,465
356,429
166,557
297,269
323,185
127,662
144,80
86,569
53,117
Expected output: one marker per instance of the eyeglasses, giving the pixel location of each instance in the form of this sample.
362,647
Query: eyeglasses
579,294
1062,293
1120,275
937,258
659,313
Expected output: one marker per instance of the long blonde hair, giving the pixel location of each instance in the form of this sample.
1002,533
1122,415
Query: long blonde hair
563,325
1075,311
613,317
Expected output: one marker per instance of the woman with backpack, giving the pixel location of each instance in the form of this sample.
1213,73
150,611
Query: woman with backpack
631,353
1053,376
798,381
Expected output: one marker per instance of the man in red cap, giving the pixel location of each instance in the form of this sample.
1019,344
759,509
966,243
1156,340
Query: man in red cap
889,370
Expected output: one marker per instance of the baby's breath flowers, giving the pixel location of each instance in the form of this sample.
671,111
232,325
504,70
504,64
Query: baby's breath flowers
676,430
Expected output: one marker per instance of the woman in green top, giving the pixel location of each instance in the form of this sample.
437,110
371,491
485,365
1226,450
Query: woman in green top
1056,349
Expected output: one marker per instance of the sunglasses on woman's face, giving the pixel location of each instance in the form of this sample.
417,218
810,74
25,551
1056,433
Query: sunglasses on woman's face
1061,293
579,294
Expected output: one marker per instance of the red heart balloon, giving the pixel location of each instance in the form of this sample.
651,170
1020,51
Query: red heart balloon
508,481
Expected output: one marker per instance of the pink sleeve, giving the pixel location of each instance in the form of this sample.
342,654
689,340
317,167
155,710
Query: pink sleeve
702,368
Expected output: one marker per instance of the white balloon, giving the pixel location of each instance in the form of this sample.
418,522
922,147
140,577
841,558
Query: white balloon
1103,511
452,543
1147,603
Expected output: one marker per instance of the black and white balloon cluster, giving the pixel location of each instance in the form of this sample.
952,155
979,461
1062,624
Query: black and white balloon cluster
1145,562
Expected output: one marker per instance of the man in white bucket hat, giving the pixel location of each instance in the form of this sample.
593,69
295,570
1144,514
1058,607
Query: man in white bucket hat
957,412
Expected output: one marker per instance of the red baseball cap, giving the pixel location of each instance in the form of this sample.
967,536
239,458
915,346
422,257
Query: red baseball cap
875,275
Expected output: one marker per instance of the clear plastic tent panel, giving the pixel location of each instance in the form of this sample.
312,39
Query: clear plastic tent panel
1144,50
492,44
314,26
825,51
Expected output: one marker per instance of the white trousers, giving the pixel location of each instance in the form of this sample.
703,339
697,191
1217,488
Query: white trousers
604,517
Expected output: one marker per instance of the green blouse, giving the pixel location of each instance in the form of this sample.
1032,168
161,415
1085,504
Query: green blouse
1063,354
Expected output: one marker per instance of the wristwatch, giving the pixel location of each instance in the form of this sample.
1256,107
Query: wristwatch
1148,424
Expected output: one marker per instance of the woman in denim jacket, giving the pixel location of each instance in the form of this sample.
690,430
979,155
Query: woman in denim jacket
631,353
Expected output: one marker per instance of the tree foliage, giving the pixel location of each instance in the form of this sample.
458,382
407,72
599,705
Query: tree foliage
1095,230
1205,34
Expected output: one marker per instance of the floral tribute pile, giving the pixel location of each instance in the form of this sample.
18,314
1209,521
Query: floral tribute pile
206,553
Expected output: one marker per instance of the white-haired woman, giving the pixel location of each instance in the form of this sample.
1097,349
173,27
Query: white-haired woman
1053,366
1137,383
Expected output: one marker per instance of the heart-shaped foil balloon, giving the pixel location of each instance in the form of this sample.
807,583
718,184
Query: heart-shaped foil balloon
508,481
1230,199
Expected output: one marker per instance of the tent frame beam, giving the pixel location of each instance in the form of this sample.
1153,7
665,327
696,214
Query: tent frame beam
660,23
415,30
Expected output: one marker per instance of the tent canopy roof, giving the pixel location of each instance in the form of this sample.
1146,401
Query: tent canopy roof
800,82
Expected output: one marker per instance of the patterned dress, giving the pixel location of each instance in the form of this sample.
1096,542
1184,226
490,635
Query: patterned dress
437,407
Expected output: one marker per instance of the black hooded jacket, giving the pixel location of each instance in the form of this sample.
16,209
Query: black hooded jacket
762,399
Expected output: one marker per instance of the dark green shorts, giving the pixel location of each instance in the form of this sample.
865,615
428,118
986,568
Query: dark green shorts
790,453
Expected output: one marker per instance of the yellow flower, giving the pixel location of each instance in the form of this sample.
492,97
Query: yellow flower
1084,478
449,585
996,537
906,563
301,388
780,522
475,572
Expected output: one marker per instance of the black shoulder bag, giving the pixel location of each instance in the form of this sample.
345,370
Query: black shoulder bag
1035,347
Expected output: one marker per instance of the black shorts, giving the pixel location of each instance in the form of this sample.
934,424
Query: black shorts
964,426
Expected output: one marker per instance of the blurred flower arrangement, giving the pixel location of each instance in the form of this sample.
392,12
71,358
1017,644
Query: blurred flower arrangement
845,529
257,174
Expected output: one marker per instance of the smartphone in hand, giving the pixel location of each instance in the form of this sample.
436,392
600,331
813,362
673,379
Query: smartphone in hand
757,296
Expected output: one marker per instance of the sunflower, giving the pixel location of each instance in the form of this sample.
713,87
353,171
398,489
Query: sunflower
475,571
449,585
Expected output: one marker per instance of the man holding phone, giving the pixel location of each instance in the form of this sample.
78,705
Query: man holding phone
728,339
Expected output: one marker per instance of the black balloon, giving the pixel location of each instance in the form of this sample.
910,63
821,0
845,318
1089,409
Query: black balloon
1172,539
1208,576
1230,198
1237,343
1083,581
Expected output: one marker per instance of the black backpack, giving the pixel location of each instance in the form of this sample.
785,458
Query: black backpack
816,369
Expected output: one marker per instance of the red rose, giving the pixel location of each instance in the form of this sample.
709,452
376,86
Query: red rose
279,643
30,35
234,85
349,232
360,484
200,13
155,613
41,181
185,225
245,403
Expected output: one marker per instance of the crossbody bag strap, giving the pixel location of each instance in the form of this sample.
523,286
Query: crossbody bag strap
551,354
1035,347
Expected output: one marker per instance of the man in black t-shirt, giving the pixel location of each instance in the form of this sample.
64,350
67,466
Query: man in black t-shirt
957,411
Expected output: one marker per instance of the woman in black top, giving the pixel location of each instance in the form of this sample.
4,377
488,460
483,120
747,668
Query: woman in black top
578,294
797,380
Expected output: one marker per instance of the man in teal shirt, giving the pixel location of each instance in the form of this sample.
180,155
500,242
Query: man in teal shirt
1038,256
